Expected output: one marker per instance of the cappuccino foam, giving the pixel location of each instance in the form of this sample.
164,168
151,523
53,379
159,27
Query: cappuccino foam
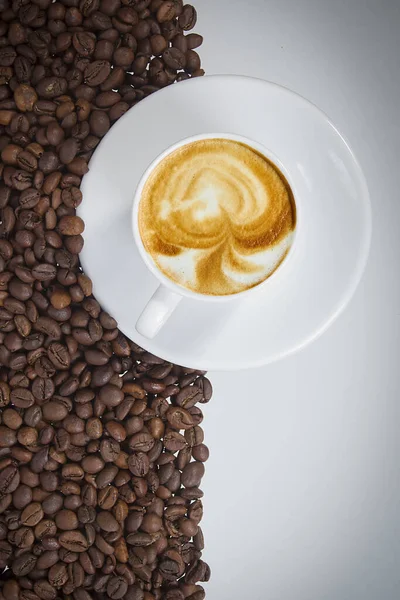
216,216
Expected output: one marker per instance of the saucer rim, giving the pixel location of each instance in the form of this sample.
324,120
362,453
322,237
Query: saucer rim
359,267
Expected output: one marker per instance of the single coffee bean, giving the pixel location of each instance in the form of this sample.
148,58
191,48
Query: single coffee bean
201,453
59,355
139,539
7,56
45,590
66,520
97,72
40,459
50,87
52,504
158,44
107,497
71,225
99,123
187,20
68,150
22,398
194,40
139,464
48,558
27,161
141,442
106,476
84,43
44,272
48,162
189,396
192,474
107,522
43,389
151,523
166,11
5,553
12,418
111,396
116,587
174,441
73,541
9,479
22,537
174,58
179,418
58,575
54,133
32,514
109,450
54,411
192,61
24,564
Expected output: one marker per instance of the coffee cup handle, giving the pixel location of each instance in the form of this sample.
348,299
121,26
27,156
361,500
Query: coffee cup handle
157,312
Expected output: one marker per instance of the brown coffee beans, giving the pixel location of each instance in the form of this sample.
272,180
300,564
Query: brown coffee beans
101,452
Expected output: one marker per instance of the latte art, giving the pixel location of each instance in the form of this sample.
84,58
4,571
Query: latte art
216,216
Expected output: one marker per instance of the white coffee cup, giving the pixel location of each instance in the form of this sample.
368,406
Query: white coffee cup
169,294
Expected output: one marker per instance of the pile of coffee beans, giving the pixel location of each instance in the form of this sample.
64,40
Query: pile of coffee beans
101,448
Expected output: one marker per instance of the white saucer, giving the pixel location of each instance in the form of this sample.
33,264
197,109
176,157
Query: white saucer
331,247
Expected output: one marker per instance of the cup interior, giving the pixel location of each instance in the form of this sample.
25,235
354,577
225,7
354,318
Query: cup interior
152,266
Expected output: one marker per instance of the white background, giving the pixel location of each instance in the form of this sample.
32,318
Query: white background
302,490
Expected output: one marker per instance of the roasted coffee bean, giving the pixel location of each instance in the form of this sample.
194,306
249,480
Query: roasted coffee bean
48,327
109,450
55,135
99,123
7,56
187,20
174,441
139,464
192,474
51,87
58,575
43,389
32,514
166,11
22,398
24,564
73,541
194,40
9,479
68,150
22,537
111,396
116,587
71,225
97,72
44,272
84,43
192,61
141,442
66,520
189,396
201,453
174,58
59,355
179,418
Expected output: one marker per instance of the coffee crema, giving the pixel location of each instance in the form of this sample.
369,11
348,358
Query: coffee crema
217,216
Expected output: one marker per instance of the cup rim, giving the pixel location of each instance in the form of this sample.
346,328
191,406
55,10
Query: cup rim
148,260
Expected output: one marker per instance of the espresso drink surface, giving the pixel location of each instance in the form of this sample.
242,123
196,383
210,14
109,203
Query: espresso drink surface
216,216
